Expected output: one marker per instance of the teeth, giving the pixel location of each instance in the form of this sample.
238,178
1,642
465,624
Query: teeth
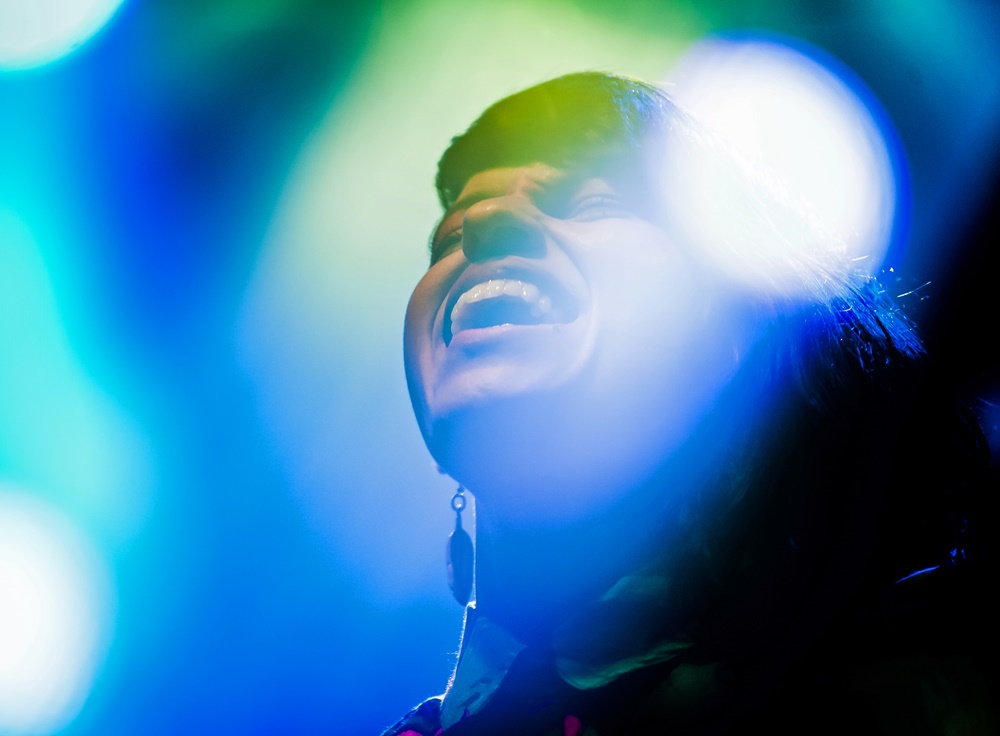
501,287
541,305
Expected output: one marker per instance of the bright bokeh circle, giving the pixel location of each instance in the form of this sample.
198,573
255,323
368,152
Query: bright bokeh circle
36,32
55,616
804,124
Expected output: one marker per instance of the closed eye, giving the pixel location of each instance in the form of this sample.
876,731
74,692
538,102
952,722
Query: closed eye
445,243
596,207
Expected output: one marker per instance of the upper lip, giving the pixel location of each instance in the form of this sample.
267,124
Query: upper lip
547,282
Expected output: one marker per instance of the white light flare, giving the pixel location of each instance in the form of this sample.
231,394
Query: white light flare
819,142
36,32
55,616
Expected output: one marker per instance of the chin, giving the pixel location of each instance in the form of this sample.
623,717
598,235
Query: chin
546,457
548,439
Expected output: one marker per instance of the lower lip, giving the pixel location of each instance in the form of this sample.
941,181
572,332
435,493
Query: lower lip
489,336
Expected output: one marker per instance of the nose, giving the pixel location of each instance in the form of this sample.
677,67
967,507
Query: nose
502,226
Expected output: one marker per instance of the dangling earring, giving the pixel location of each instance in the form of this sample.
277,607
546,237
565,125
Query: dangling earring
461,556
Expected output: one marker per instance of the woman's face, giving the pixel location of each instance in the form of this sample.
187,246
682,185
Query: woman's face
560,340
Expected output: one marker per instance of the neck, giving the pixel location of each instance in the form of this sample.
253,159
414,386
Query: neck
530,576
533,572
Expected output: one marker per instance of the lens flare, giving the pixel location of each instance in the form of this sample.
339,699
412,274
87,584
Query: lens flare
54,616
803,127
36,32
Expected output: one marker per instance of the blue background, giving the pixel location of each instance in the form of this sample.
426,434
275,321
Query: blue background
227,424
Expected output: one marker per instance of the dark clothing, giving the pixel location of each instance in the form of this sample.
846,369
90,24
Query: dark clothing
916,663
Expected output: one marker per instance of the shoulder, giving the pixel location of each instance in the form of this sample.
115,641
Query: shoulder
423,720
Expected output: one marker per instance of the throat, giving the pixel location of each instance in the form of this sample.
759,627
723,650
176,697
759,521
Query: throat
532,580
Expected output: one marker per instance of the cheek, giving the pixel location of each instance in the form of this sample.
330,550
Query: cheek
647,291
420,329
426,299
659,335
418,325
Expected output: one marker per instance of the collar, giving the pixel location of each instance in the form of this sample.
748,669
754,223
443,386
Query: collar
629,628
485,657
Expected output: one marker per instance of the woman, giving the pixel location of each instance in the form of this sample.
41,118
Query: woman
702,503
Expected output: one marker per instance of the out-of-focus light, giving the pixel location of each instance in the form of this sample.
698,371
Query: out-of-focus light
54,616
807,130
323,314
36,32
49,404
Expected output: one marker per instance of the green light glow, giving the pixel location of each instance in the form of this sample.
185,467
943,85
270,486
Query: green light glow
348,242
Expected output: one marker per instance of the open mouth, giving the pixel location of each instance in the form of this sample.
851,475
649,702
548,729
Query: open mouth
506,301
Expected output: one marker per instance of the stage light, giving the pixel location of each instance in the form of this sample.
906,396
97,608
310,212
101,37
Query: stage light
54,616
36,32
807,130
